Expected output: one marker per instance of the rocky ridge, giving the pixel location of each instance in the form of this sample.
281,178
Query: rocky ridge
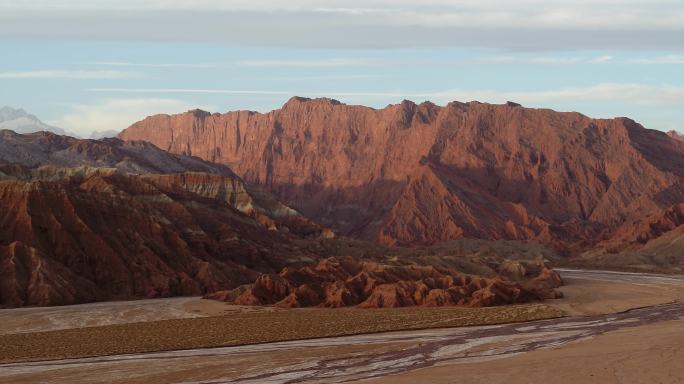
344,282
413,174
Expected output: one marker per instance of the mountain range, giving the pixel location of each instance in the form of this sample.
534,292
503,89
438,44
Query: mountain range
92,220
326,204
411,174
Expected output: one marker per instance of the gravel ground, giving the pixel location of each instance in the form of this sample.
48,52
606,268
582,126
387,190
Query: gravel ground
250,328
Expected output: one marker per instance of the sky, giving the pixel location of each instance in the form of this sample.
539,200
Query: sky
94,65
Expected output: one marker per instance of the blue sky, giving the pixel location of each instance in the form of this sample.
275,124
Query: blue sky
102,64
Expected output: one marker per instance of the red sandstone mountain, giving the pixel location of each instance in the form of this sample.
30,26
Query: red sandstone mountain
89,220
417,174
654,243
79,234
342,282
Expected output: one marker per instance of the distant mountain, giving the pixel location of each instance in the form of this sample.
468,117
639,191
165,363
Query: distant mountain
20,121
412,174
47,149
103,134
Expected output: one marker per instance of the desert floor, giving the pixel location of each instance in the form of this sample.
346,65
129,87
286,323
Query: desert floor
599,342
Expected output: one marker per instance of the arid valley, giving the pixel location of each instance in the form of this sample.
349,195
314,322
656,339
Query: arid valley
338,191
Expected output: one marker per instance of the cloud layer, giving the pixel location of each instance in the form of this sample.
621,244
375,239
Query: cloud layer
66,74
577,24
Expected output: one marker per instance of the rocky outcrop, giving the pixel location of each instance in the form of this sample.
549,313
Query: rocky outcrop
344,282
414,174
675,135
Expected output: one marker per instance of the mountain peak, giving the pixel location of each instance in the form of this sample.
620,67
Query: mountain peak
299,100
199,112
20,121
9,113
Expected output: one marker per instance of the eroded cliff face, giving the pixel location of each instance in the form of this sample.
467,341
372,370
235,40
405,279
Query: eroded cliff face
89,220
654,243
100,234
410,174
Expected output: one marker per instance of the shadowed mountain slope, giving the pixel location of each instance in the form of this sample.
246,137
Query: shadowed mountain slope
414,174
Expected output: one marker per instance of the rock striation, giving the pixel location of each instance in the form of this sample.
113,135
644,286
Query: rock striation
413,174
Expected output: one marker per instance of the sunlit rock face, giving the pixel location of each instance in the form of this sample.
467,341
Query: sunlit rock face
412,174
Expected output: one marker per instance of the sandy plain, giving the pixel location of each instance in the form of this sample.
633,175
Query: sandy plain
651,354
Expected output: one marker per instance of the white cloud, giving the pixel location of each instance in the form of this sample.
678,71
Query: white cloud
333,62
602,59
671,59
350,11
64,74
619,14
320,77
535,60
152,65
311,63
115,114
549,59
522,24
190,90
